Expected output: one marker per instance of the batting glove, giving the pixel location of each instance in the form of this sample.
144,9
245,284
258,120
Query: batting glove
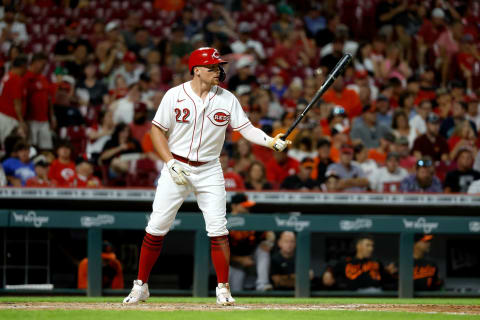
278,144
178,172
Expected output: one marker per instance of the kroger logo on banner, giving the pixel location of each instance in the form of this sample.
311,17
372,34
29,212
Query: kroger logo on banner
30,218
357,224
293,222
99,220
420,224
235,222
474,226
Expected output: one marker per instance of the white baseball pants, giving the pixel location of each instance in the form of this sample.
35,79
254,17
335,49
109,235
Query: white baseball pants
207,184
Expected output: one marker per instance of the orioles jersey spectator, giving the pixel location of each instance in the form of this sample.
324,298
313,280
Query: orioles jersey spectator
425,271
358,272
112,271
249,251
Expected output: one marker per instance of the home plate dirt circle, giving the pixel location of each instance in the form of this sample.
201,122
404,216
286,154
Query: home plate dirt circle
416,308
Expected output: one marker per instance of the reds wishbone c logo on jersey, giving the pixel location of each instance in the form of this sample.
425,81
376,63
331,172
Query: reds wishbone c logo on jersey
219,117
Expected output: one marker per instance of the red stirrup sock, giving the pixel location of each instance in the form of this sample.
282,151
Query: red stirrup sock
220,257
151,247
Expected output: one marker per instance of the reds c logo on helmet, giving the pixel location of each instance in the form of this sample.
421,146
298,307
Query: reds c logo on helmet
204,56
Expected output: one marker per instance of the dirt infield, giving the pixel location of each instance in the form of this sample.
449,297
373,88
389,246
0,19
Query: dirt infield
416,308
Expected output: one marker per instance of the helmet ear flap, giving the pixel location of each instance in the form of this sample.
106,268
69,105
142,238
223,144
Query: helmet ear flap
222,75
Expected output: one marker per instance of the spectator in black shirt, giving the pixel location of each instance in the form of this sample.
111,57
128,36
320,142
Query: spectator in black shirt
322,160
97,90
243,78
325,36
459,180
387,13
282,269
301,181
64,48
330,60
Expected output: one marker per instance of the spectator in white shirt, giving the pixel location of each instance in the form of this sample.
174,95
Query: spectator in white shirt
417,123
12,32
245,44
388,178
129,69
474,187
123,109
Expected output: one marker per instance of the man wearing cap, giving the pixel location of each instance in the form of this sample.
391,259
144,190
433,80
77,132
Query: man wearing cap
65,47
352,177
388,178
243,79
425,271
367,129
41,180
188,132
405,160
459,180
129,70
431,144
423,180
301,181
322,160
250,251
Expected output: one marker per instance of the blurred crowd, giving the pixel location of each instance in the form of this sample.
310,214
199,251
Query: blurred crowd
82,80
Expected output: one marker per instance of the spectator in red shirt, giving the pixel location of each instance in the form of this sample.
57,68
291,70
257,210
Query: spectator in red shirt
39,103
428,34
41,179
84,177
12,98
280,167
62,170
233,181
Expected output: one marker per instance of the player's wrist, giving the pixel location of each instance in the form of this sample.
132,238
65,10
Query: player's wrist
170,163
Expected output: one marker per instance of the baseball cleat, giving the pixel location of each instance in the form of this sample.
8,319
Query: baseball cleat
139,293
224,297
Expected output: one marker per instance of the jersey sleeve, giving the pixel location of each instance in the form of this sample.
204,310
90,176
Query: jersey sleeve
239,119
162,118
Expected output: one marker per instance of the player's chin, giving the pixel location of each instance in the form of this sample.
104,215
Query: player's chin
215,81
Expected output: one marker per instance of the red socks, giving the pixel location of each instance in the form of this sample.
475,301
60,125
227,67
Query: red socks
220,257
151,247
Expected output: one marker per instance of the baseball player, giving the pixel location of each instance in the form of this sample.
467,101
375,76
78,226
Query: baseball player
188,133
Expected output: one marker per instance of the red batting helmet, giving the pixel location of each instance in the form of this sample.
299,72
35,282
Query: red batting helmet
204,56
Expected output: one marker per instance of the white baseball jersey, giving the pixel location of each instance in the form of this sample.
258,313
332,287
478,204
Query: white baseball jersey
196,128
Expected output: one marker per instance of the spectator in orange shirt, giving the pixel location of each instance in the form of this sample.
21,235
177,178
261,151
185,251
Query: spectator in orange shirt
12,98
379,154
347,98
112,271
41,179
62,170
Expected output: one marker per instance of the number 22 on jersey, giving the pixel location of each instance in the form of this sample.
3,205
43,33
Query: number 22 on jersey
181,116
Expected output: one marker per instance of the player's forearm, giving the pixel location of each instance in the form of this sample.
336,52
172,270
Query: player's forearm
160,143
18,109
256,136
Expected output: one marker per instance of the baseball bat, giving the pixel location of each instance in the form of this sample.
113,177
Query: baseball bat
331,77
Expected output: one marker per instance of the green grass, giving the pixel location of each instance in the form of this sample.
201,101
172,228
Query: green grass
240,300
23,314
232,315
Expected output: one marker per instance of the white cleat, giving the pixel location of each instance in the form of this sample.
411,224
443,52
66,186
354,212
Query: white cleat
224,297
139,293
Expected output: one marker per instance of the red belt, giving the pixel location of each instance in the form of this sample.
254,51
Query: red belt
187,161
